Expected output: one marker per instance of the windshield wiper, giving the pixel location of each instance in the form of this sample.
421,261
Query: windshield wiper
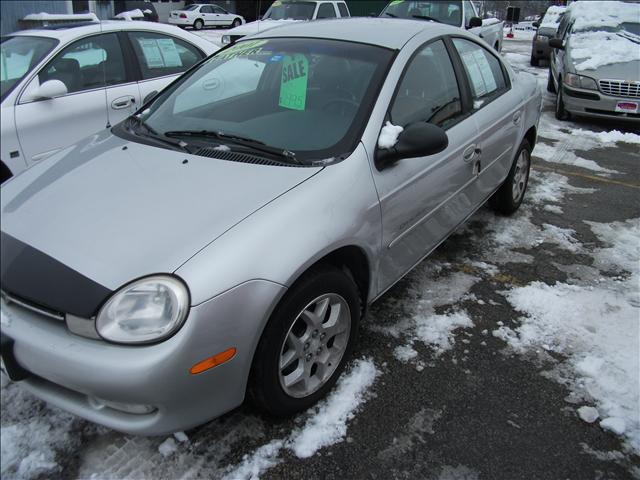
251,143
425,17
391,15
151,133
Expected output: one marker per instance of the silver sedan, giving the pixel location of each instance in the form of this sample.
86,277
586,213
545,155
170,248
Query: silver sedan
226,240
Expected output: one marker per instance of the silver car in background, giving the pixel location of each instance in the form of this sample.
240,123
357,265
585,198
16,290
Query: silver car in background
595,65
547,28
227,239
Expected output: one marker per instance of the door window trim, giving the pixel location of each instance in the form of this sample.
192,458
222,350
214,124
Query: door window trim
129,73
463,87
505,73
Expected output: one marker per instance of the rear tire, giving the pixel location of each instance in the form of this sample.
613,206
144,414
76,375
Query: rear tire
198,24
300,356
509,196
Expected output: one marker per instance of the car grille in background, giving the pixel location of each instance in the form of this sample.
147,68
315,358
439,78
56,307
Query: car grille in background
242,157
619,88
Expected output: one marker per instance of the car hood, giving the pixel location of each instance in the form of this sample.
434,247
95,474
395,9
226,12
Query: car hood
258,26
628,70
114,210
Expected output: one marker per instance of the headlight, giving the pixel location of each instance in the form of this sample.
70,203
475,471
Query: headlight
146,310
580,81
543,38
226,39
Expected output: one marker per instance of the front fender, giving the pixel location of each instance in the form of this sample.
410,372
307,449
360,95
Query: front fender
336,207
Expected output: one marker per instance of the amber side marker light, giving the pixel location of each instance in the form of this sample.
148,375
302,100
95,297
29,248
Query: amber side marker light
217,359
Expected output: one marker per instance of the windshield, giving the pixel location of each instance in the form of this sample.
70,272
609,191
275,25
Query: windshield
18,55
306,96
449,12
632,28
290,11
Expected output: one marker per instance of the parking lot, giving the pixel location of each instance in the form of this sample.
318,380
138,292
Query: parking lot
478,365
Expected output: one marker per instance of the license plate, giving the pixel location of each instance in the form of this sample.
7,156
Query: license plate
627,107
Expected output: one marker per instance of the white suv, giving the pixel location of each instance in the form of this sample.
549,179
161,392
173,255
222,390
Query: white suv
282,11
62,84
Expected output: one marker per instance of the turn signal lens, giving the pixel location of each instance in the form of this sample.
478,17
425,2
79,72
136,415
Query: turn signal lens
217,359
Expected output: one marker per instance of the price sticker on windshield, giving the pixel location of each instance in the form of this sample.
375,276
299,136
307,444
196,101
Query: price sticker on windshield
293,84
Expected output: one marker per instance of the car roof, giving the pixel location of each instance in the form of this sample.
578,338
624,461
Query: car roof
384,32
66,32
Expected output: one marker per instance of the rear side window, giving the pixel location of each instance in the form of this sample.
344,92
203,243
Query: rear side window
93,62
344,11
486,76
326,10
160,55
429,90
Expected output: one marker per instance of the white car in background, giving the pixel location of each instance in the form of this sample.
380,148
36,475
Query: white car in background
200,16
65,83
284,11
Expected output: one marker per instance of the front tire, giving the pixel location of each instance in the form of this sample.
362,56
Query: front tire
198,24
509,196
534,61
236,23
561,112
306,342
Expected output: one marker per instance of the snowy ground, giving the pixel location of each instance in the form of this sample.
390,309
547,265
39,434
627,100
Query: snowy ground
512,352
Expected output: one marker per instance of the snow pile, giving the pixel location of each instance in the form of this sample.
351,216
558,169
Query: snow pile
592,15
609,137
593,43
596,327
389,135
131,15
326,426
592,50
329,424
42,16
552,17
437,330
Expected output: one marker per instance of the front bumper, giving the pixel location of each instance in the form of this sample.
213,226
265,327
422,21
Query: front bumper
88,377
592,103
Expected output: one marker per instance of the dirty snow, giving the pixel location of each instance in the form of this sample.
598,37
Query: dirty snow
437,330
596,327
325,425
389,135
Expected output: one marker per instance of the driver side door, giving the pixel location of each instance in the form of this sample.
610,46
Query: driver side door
424,199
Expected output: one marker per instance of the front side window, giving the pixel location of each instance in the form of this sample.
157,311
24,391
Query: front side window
160,55
308,96
483,70
280,10
206,9
429,90
449,12
326,11
217,9
93,62
18,56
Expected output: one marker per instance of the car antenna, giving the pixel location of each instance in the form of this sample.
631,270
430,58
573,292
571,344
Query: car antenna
104,80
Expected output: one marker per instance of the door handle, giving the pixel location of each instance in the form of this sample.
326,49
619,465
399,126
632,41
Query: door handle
122,102
470,152
516,118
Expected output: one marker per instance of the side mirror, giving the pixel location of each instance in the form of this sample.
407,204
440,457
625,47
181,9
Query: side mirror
416,140
149,96
556,43
50,89
535,24
475,22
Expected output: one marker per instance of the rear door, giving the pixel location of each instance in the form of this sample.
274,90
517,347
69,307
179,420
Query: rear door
160,59
101,90
423,199
498,112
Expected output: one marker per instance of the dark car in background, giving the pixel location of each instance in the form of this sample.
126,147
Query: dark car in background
547,29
